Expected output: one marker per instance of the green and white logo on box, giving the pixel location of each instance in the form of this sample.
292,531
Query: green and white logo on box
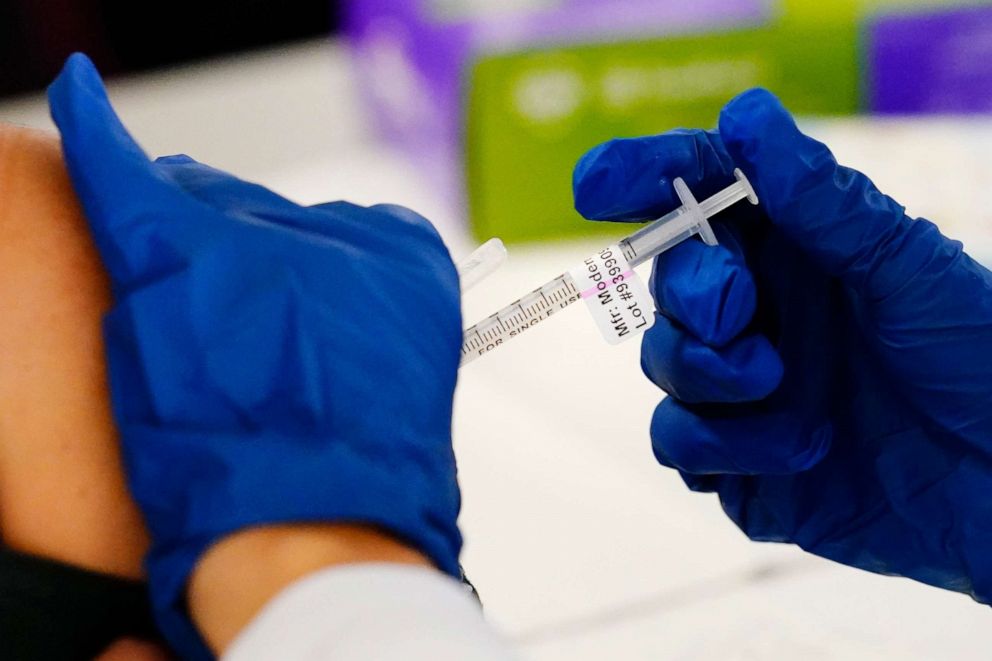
531,115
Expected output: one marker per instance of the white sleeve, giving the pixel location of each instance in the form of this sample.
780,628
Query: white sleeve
372,612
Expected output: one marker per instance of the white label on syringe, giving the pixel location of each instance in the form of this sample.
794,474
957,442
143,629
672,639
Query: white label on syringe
615,294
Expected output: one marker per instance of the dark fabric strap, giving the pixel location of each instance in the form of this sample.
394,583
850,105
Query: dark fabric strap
53,612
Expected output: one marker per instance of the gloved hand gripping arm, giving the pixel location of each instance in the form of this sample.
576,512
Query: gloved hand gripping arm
261,365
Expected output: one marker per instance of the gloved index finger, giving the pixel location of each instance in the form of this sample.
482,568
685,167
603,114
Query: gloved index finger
631,179
708,290
113,178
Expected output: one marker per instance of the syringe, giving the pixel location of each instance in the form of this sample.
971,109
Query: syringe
657,237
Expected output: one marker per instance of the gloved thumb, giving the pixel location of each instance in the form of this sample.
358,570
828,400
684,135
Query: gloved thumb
835,215
113,178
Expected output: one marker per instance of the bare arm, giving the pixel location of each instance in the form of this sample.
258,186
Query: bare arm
62,489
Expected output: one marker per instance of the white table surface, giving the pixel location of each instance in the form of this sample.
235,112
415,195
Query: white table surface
581,546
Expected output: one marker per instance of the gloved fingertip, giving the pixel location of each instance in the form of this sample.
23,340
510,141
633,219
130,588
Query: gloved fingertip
747,370
80,71
409,217
679,440
708,290
336,205
631,179
75,92
594,181
175,159
98,149
751,117
738,302
659,431
757,366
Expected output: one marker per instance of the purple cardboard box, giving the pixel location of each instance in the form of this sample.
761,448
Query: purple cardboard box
936,61
413,56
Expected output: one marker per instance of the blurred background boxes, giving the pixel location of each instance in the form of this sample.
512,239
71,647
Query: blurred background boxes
582,547
499,99
494,100
934,60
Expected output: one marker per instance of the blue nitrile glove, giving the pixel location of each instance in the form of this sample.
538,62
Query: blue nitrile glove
269,363
829,365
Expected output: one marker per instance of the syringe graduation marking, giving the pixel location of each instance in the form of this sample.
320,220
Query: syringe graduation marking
523,313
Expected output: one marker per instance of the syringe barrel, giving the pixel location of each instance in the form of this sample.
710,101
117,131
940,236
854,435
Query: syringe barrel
657,237
684,223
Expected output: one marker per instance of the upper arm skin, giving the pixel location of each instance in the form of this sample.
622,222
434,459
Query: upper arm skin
62,489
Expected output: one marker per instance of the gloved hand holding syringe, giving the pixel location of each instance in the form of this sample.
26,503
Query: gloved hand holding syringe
619,300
